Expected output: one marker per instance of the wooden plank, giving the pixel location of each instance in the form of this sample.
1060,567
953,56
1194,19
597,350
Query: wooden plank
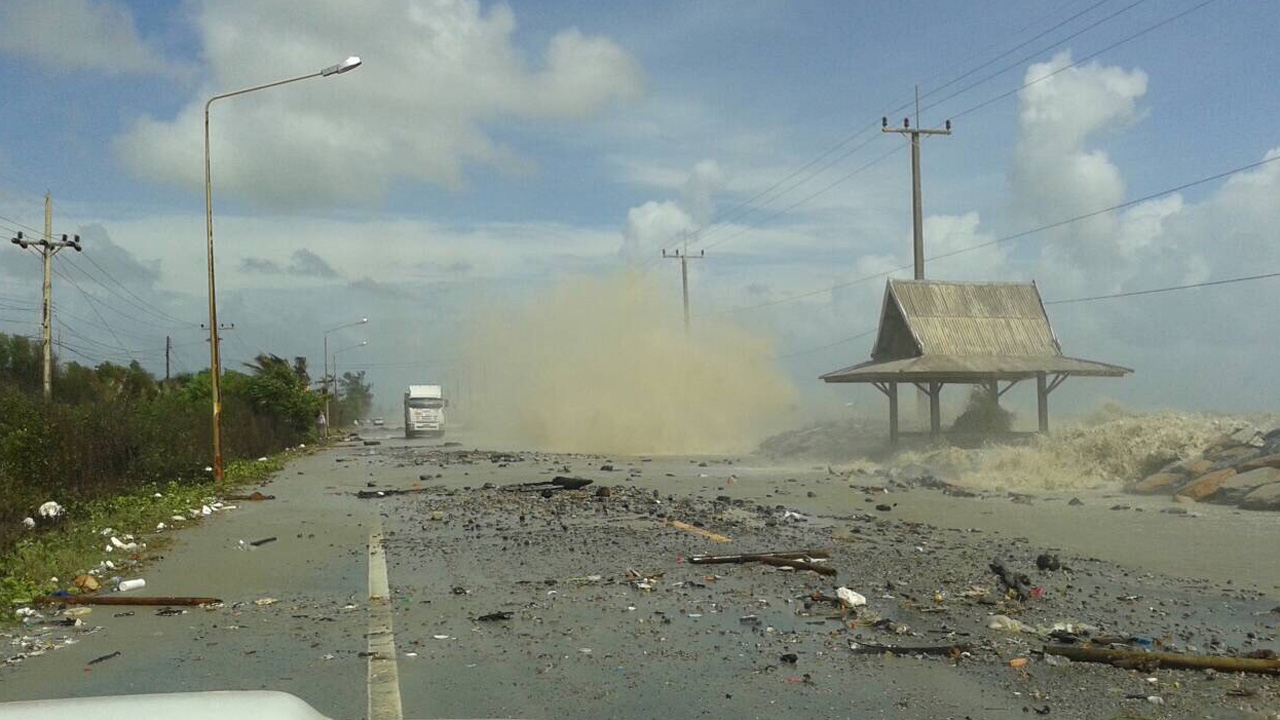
699,531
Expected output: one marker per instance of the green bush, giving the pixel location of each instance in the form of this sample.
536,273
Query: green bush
113,429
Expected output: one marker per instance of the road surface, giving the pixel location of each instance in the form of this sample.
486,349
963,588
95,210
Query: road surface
585,640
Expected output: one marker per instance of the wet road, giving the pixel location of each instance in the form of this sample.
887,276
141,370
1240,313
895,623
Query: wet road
592,648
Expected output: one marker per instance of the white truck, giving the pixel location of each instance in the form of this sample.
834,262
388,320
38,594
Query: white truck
424,411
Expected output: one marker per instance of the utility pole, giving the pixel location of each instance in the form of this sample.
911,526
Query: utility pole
925,402
917,204
168,348
684,257
47,249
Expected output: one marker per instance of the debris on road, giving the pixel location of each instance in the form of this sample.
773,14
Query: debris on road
717,537
255,496
127,585
1144,660
122,600
864,648
262,602
263,541
794,559
559,482
104,658
493,616
1015,582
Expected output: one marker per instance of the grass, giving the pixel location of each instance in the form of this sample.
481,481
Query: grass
77,544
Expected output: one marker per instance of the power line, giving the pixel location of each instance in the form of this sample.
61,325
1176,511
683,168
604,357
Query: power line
1170,288
841,341
997,98
134,300
92,307
747,203
807,198
1014,236
1084,59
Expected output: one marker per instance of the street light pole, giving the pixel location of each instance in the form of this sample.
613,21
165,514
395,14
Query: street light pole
329,380
215,365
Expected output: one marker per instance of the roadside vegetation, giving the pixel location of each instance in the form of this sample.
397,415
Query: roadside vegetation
45,561
115,436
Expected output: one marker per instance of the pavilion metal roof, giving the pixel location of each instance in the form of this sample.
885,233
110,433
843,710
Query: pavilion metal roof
964,332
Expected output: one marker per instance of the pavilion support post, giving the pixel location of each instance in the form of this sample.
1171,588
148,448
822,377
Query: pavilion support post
893,412
935,409
1042,401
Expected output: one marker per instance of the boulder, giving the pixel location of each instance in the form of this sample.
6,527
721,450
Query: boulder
1161,482
1266,497
1206,485
1266,461
1236,487
1196,466
1233,455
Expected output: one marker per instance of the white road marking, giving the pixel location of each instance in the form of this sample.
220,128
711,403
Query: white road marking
384,674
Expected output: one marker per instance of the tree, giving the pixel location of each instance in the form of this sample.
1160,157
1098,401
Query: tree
276,388
355,397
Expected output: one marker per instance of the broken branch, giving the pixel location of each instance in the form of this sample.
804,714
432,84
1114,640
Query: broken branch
1139,658
123,600
699,531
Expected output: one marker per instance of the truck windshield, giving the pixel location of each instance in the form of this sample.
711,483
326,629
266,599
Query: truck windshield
425,403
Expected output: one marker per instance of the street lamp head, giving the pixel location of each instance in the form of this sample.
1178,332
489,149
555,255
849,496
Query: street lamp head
350,63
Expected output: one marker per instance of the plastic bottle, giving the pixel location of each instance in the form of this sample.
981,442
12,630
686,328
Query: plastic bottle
126,585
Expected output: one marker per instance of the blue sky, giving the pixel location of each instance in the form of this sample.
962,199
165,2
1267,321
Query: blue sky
462,157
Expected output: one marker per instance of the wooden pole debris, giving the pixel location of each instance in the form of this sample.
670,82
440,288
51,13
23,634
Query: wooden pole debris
798,559
699,531
1147,660
874,649
123,600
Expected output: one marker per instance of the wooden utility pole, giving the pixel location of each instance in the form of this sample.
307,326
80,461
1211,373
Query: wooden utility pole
47,249
925,401
168,348
684,257
917,203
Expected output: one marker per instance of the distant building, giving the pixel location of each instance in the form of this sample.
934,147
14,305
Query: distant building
936,333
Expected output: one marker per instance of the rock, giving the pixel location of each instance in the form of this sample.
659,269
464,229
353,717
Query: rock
1160,482
1196,466
1206,485
1266,497
1233,456
1239,485
603,491
1266,461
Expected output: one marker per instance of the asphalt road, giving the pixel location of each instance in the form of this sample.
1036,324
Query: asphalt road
582,647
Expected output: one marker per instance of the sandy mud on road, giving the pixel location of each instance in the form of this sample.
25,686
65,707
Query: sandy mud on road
584,603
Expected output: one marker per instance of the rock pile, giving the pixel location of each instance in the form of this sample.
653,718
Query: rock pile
1241,469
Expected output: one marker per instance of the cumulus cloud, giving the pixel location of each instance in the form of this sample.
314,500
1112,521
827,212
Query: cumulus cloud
303,263
437,75
71,35
655,225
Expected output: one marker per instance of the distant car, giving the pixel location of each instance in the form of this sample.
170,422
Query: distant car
378,421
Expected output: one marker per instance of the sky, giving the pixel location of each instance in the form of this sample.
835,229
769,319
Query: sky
486,150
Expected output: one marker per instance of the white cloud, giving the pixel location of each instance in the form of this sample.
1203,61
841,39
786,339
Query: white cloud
436,74
71,35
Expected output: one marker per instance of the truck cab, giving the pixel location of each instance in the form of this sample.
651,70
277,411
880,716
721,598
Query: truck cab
424,411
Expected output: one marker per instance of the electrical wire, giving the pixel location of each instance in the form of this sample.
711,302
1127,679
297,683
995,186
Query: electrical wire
94,308
829,345
132,298
1009,238
720,222
1170,288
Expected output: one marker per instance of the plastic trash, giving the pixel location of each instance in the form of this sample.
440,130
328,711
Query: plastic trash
122,545
127,585
849,598
28,522
50,510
